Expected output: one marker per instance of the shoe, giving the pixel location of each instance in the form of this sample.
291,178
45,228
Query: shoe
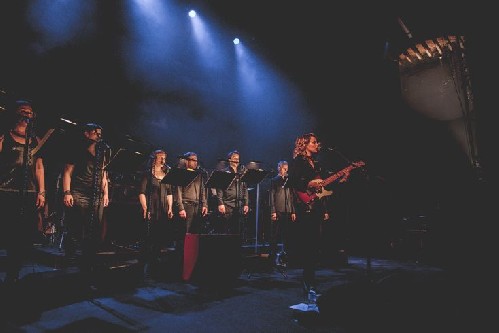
312,296
281,259
316,291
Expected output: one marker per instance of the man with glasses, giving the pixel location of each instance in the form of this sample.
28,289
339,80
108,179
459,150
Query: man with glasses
192,204
192,199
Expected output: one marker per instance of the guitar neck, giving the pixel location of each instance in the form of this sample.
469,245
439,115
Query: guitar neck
337,175
42,141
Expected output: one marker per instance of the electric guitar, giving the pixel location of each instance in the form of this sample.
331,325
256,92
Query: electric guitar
316,193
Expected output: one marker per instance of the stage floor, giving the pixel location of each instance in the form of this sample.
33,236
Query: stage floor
363,294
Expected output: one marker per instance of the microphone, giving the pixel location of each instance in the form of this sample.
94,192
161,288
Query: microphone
285,182
25,118
104,144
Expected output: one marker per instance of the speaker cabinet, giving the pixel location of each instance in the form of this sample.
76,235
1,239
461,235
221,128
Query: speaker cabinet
219,259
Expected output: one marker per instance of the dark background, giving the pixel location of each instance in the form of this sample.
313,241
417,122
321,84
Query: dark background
342,59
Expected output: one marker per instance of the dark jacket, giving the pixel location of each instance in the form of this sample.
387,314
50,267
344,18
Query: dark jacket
300,174
230,196
281,198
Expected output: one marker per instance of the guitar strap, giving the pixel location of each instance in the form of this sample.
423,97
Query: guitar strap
42,141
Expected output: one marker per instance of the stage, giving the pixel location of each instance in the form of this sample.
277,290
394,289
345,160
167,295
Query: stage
362,294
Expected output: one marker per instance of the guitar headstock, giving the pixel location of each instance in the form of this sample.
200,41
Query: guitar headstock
358,164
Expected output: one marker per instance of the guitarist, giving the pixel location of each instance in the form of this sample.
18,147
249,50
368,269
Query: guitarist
303,174
22,186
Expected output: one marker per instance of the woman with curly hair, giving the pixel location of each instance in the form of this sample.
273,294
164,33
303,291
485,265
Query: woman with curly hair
311,211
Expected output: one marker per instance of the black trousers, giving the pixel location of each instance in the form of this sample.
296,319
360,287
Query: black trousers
230,223
309,231
194,221
19,226
281,232
83,225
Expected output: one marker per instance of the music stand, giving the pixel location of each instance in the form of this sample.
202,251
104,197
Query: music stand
220,179
179,176
125,161
255,176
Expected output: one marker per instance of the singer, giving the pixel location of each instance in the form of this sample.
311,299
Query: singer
192,204
85,186
233,202
303,173
156,200
22,186
191,200
282,215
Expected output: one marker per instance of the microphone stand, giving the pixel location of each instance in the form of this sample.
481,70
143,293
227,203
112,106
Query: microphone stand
206,224
257,215
368,204
283,228
240,224
26,163
202,192
95,204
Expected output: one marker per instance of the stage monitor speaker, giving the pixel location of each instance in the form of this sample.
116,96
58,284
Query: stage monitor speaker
219,260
